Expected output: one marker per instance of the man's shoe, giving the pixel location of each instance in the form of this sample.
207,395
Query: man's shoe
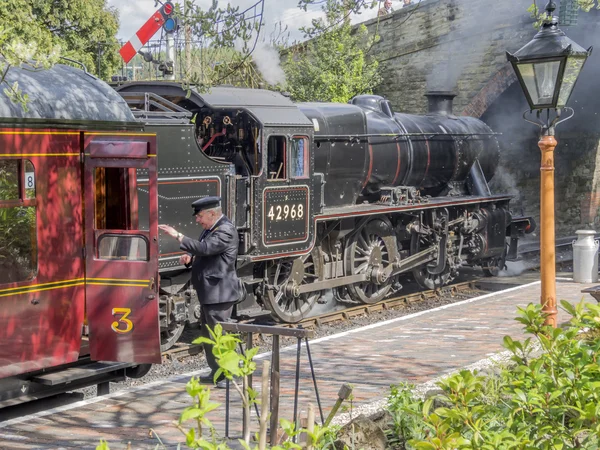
208,379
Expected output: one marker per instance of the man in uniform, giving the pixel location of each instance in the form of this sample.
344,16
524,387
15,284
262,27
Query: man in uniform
213,258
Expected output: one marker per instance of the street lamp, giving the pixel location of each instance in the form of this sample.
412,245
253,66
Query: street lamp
547,68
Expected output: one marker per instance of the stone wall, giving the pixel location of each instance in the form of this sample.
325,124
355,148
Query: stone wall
446,45
460,45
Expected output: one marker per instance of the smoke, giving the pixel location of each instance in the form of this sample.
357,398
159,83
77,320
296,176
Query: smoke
267,61
515,268
505,183
465,47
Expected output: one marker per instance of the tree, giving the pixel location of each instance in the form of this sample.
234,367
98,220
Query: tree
223,40
77,29
539,14
334,65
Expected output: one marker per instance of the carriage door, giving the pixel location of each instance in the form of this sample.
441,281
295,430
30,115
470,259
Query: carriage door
121,208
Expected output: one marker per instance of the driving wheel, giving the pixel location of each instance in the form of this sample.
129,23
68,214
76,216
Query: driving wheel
371,250
284,277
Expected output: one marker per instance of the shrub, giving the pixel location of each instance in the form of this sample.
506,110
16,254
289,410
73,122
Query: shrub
548,399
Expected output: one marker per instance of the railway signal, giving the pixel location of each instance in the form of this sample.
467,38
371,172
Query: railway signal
161,18
171,23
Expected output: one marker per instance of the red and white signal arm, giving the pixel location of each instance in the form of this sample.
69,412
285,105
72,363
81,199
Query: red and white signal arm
145,33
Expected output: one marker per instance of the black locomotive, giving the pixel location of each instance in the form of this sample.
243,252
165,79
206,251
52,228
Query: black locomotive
325,196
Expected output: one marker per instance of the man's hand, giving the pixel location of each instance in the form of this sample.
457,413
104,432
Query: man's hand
185,259
169,230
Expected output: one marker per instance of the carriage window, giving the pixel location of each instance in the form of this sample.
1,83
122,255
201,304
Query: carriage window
299,157
127,248
116,206
18,238
9,179
276,158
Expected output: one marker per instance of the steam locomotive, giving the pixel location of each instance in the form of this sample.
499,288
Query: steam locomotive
342,197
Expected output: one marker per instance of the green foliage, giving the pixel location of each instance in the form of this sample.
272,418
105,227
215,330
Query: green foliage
230,366
201,406
336,13
586,5
17,229
549,399
14,52
539,14
332,67
103,445
231,363
72,28
224,39
407,414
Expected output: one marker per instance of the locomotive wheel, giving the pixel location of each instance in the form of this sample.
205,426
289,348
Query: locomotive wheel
492,266
428,280
283,275
374,246
169,336
138,371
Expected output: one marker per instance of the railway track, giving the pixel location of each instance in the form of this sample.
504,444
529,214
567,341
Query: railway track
458,291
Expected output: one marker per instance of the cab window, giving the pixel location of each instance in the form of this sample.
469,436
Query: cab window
276,162
299,157
18,232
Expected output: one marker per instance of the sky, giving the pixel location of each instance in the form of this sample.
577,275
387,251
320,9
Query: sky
134,13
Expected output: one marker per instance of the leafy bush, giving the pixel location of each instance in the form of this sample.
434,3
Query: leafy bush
234,367
548,399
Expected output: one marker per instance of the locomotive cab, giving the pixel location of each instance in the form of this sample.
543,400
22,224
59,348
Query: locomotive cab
255,144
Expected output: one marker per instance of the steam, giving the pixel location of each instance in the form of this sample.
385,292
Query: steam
473,22
505,182
515,268
267,61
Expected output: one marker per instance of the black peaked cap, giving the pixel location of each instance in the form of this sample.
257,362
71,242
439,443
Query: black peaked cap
206,203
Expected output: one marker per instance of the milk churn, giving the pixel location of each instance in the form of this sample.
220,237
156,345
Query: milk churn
585,257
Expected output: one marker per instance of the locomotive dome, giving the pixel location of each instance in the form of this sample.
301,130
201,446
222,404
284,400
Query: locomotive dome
63,93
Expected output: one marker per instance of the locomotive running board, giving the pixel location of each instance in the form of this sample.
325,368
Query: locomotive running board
373,208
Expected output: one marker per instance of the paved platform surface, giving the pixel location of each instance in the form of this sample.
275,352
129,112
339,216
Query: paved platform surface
414,348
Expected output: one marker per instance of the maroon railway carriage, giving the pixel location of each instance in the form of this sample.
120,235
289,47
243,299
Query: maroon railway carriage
78,274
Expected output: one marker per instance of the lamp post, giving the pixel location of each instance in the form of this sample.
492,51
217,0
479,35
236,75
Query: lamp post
547,68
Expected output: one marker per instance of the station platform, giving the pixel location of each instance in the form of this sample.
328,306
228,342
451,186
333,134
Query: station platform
414,348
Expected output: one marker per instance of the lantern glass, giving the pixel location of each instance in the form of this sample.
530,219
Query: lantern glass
540,80
572,69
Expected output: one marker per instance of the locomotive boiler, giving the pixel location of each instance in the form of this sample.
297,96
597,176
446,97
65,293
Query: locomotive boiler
342,197
434,154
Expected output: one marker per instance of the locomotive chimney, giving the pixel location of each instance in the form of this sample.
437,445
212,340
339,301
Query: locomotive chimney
440,102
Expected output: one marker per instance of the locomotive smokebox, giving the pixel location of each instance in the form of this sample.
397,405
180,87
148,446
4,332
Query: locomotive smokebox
440,102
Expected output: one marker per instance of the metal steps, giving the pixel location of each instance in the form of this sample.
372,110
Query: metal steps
78,373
